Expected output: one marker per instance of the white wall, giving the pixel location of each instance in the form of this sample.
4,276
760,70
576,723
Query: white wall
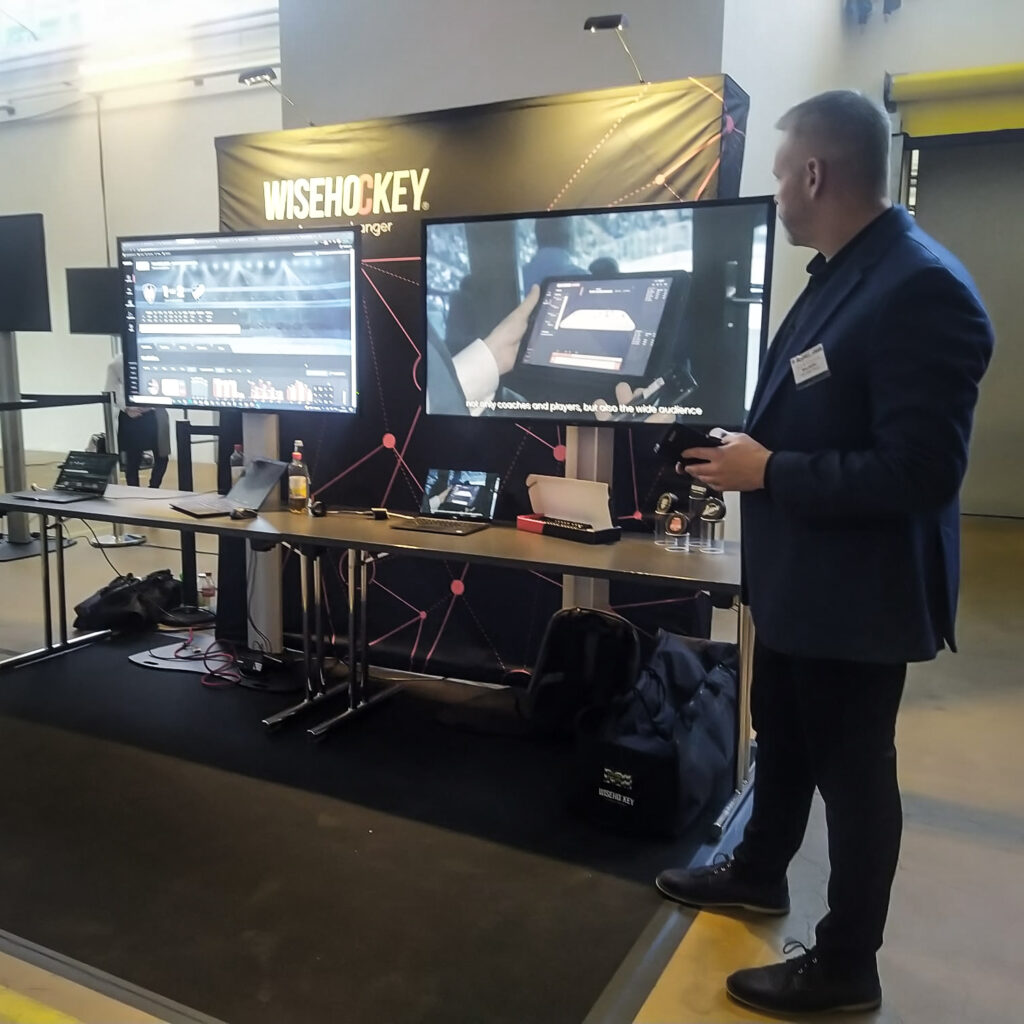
347,60
782,51
161,177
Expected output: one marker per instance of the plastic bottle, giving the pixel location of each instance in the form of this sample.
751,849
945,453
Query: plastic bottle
237,464
298,482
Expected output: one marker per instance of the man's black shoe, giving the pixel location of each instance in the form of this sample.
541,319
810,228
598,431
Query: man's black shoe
808,983
720,886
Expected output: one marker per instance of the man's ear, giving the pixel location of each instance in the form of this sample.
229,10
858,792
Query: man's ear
814,175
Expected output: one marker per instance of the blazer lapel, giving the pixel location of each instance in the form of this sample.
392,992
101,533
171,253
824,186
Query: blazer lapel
835,293
805,337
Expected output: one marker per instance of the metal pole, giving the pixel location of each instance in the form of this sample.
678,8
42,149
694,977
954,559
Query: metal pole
589,455
364,654
746,676
44,561
13,441
353,608
62,604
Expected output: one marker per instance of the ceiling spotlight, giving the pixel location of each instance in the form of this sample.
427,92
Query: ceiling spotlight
618,22
254,76
605,21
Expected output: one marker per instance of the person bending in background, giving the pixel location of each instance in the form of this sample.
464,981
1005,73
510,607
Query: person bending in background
139,430
849,470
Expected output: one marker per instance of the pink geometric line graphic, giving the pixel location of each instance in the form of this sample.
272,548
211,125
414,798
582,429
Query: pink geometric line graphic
490,642
604,138
704,184
397,597
398,629
546,579
458,589
661,177
345,472
411,474
419,355
706,88
391,273
393,259
376,365
546,444
400,460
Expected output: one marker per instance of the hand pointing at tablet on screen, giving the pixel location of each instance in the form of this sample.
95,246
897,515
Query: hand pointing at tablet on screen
504,340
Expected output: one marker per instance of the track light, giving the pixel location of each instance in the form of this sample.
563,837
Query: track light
618,23
254,76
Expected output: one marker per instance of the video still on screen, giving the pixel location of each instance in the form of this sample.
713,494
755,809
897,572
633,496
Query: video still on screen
653,313
258,322
463,493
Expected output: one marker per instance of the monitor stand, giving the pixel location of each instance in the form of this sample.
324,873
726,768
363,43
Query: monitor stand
589,455
261,439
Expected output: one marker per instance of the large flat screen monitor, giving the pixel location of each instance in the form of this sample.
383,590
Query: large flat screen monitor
95,302
24,294
262,321
640,312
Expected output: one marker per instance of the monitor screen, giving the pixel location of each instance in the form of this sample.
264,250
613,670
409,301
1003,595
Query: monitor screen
95,304
460,494
641,313
262,321
24,292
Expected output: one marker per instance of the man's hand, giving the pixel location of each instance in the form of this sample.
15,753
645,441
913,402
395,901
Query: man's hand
504,340
737,465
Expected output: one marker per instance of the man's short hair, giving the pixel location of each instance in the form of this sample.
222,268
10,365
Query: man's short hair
851,130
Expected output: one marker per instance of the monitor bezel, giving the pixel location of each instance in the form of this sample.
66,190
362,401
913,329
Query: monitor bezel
144,401
765,200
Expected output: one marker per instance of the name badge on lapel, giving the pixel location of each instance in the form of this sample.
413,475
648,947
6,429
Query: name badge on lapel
810,367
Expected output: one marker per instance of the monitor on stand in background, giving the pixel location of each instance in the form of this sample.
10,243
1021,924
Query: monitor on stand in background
24,306
95,304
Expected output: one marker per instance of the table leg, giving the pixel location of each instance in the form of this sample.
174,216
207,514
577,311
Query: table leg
360,700
311,587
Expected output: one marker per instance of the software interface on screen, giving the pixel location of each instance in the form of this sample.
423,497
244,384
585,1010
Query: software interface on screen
604,325
460,493
645,312
257,322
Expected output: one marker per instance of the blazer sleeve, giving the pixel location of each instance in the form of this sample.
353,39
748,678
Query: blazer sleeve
929,349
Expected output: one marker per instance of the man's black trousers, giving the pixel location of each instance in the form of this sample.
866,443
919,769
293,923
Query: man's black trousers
830,725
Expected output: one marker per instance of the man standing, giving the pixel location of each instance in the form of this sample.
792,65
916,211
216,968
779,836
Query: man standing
850,467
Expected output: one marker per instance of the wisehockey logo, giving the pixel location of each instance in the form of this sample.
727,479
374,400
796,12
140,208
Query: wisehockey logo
611,777
346,195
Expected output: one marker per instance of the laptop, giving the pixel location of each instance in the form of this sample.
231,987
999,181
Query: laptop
455,501
82,476
250,491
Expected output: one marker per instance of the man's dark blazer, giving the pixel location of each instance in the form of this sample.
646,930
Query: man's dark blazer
852,550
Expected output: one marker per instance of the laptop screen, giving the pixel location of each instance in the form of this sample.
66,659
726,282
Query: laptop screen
87,472
460,494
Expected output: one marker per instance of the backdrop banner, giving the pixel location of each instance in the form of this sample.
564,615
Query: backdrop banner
642,144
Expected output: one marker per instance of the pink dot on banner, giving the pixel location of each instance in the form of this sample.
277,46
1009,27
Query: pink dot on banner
423,615
659,179
458,588
559,452
730,124
388,440
638,514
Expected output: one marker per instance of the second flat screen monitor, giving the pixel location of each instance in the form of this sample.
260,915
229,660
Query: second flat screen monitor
655,311
263,321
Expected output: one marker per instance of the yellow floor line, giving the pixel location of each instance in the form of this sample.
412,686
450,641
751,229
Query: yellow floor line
18,1009
692,986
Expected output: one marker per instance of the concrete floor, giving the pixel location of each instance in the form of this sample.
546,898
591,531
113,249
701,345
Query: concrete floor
952,952
953,943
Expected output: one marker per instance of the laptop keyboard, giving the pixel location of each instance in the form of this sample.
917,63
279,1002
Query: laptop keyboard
214,503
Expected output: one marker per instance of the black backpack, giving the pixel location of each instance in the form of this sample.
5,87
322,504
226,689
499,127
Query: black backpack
586,658
128,603
649,762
